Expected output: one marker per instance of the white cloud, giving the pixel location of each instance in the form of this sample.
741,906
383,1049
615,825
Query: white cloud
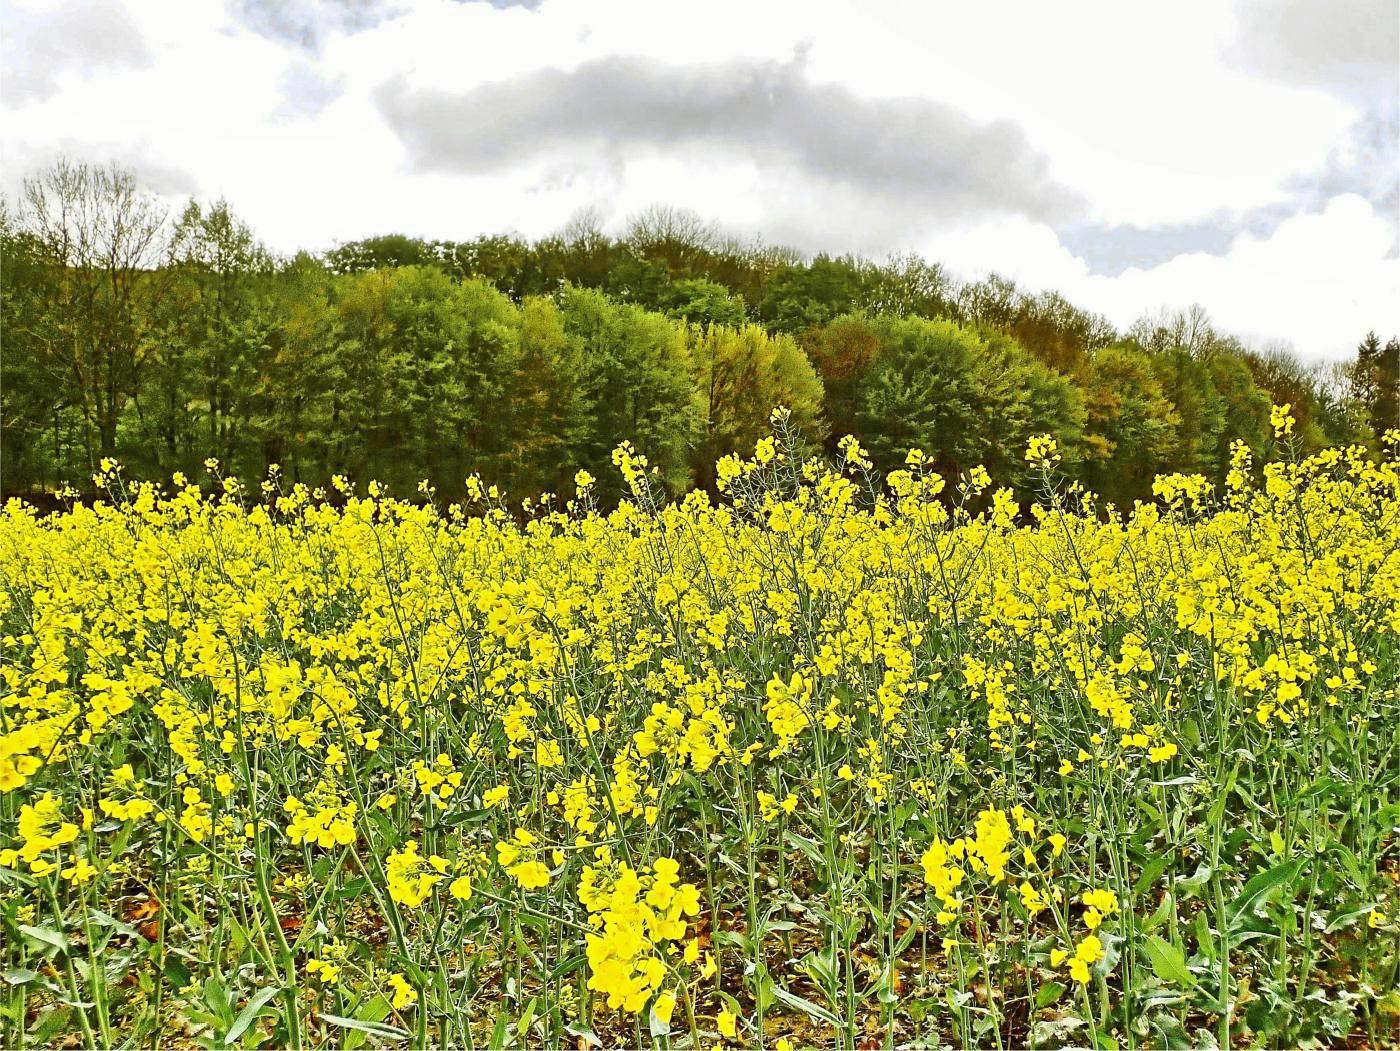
1154,118
1321,280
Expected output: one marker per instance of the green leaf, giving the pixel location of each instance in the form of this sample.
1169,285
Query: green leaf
1151,872
1203,873
808,1008
1205,940
821,968
498,1031
106,919
526,1017
45,936
248,1014
1350,863
380,1029
1047,994
1173,1036
1163,913
1319,789
1168,961
50,1024
216,998
467,817
1216,813
569,965
1055,1030
1262,886
1175,782
19,976
1342,920
375,1010
176,973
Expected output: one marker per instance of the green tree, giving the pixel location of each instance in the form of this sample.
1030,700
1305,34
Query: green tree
908,286
922,393
1386,414
1246,409
419,373
1130,430
635,384
1200,412
704,302
550,411
295,395
799,297
1287,381
963,397
381,252
208,345
98,239
742,375
39,421
843,351
1375,381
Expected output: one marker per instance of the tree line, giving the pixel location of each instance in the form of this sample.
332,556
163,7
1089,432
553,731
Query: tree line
164,340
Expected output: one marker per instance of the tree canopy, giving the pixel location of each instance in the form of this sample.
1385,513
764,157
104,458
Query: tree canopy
167,339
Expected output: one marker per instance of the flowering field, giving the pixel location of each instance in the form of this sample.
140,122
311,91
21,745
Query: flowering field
839,761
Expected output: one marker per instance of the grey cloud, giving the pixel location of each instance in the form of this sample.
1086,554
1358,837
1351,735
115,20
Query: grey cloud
84,36
1350,49
164,179
305,24
1368,164
152,174
920,153
1347,46
1109,250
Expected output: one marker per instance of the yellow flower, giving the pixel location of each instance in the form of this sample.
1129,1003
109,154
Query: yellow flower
412,877
518,857
405,995
664,1005
80,871
1042,451
726,1022
495,797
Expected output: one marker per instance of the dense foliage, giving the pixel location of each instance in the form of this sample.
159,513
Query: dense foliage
163,342
837,760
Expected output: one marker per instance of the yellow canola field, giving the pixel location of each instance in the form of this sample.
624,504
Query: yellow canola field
834,761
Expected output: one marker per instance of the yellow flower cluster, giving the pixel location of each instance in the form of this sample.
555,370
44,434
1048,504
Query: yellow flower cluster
41,828
638,916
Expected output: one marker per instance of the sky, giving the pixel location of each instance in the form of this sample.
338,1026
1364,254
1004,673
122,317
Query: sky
1239,154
